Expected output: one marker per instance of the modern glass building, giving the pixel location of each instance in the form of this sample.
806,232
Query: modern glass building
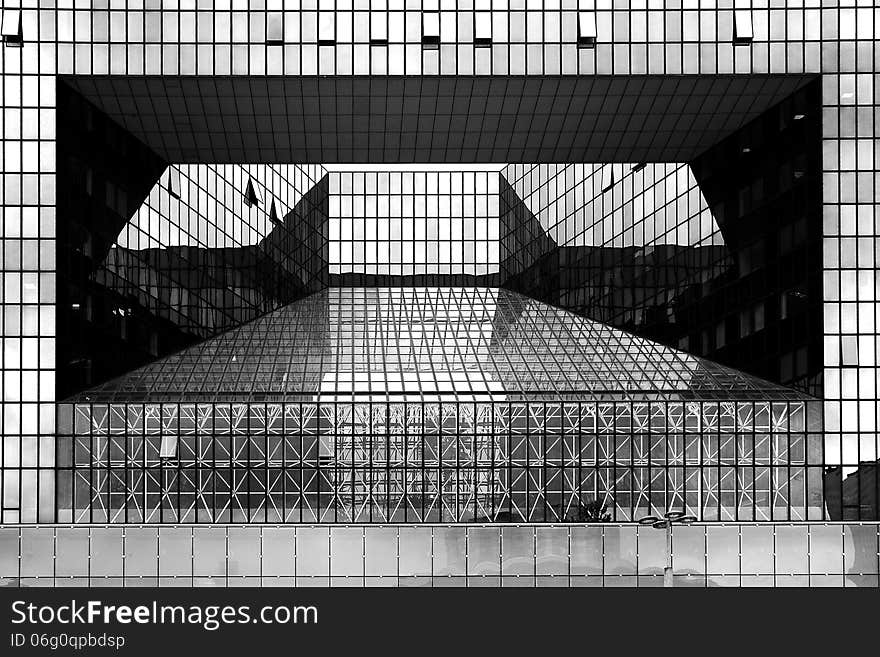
433,404
439,293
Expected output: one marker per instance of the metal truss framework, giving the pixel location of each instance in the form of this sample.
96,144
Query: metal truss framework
342,462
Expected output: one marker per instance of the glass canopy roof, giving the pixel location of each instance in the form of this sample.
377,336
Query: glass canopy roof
428,344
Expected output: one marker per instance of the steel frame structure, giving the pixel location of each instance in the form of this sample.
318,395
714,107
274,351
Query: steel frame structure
528,461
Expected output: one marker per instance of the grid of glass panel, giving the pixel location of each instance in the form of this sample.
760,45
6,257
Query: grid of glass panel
433,404
836,39
204,205
616,205
413,222
411,119
807,554
161,257
430,37
721,257
428,341
381,461
619,243
152,258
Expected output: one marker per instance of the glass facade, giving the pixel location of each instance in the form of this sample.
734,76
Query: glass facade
434,404
720,257
425,224
176,88
473,555
153,257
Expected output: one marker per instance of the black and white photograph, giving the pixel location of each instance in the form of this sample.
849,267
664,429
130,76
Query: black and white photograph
303,295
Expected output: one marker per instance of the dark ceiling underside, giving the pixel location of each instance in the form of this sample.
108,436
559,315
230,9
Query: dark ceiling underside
632,118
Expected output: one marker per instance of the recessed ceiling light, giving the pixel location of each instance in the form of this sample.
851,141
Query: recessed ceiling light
747,150
798,117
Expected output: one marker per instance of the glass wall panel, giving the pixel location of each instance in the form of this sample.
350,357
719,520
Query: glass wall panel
483,550
312,551
757,549
792,548
518,551
175,552
209,552
141,550
415,545
722,550
450,550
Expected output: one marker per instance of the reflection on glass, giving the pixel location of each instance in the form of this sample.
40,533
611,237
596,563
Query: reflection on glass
436,404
